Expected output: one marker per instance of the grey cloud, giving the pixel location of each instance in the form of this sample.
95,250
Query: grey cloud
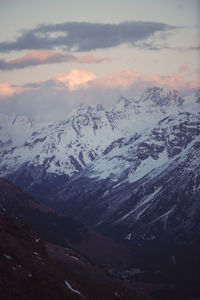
184,49
194,48
50,104
84,36
157,47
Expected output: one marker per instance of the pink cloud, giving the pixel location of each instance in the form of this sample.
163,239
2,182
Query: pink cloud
83,79
75,78
37,55
89,58
121,79
194,85
7,89
40,57
126,79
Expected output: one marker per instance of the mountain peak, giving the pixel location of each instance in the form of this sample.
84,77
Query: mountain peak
122,103
83,108
163,97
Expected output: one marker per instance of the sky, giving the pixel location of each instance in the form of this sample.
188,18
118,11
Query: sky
56,54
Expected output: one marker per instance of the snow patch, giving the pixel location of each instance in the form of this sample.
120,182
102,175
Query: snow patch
147,199
7,256
71,288
148,165
128,237
74,257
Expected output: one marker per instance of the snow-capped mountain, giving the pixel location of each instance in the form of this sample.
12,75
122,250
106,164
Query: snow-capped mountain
161,97
95,162
65,147
69,146
144,186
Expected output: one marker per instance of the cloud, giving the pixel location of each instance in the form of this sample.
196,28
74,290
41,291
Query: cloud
7,89
152,46
75,79
89,58
193,48
194,85
127,79
53,99
40,57
84,36
80,80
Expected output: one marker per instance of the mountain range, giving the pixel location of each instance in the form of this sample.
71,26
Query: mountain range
131,172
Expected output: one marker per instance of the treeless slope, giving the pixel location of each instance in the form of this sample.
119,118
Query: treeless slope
60,229
31,269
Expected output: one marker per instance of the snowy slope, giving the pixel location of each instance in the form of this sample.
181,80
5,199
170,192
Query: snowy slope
103,192
135,156
65,147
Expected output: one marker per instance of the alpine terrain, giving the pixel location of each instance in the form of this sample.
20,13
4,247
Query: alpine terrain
132,173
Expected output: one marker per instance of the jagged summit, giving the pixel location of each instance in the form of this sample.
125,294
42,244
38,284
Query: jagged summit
163,97
83,108
122,103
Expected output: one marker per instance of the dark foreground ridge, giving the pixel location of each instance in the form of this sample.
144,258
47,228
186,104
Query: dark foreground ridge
33,269
60,229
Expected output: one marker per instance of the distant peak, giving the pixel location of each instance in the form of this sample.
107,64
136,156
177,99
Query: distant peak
162,97
122,103
83,108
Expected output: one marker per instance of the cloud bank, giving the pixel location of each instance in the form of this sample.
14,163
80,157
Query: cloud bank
84,36
54,99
